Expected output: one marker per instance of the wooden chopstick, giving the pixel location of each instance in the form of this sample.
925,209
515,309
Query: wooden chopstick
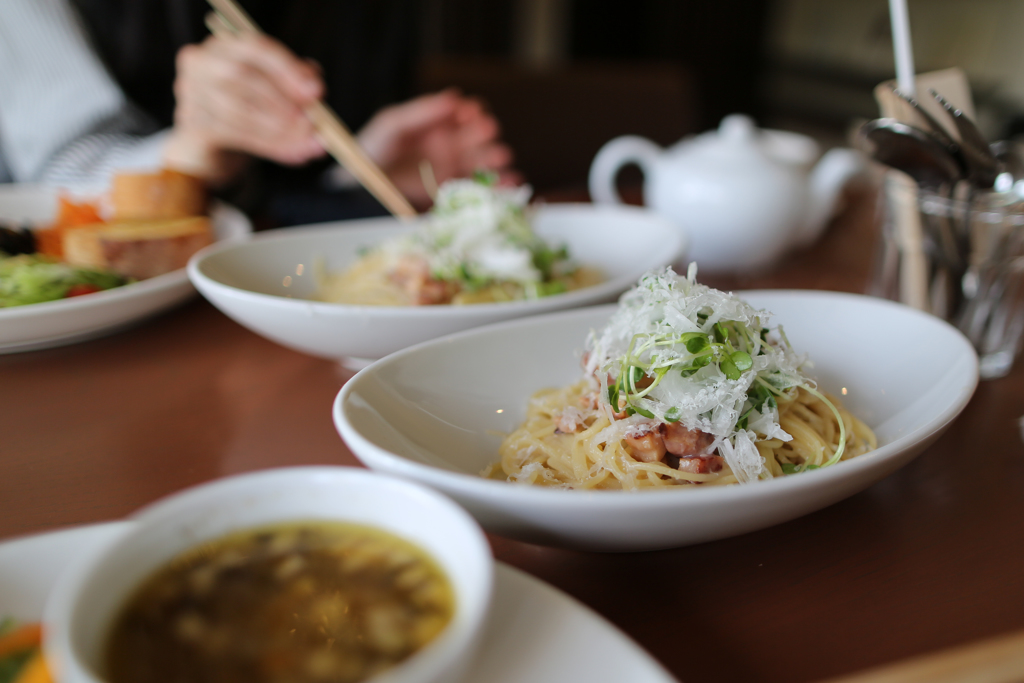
998,660
231,19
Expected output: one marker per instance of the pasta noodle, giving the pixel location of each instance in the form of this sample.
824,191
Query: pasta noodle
539,453
685,386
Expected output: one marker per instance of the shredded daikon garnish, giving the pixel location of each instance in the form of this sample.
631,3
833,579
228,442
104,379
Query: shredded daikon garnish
478,233
679,351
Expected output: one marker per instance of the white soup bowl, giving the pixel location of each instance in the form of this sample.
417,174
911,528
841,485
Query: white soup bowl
86,600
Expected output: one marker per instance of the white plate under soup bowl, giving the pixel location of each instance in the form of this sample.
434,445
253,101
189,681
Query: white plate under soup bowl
267,284
80,611
435,413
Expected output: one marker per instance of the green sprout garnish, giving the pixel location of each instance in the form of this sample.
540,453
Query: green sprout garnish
839,418
790,468
486,178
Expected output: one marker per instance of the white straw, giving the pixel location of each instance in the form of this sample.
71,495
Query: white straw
901,47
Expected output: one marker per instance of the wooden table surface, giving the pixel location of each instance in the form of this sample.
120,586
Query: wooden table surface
929,558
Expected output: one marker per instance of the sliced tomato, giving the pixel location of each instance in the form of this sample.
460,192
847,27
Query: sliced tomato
79,290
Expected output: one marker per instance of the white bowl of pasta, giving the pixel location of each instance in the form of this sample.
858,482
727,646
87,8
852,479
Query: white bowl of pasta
271,284
439,412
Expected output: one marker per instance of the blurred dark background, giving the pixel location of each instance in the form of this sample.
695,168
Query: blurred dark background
565,76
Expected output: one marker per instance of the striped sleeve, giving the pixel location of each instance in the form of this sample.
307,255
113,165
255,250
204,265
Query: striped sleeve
63,119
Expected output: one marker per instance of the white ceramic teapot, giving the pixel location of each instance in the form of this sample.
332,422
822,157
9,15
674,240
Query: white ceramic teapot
743,195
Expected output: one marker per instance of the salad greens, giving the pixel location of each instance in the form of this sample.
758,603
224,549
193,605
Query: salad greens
12,664
33,278
678,351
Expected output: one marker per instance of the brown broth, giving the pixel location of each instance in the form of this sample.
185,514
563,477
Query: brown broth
299,602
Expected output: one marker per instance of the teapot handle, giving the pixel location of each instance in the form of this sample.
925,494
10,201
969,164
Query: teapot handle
828,179
614,155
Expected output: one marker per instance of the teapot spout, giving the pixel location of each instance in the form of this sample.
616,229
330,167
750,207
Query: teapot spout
827,181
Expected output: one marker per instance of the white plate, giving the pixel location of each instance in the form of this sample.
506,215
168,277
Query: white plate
435,413
265,283
55,323
535,633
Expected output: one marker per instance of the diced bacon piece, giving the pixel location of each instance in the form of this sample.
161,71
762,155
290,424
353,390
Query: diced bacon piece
696,464
409,268
568,421
431,292
412,274
647,448
685,442
644,382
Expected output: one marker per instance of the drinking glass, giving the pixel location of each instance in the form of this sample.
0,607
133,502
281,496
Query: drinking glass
960,256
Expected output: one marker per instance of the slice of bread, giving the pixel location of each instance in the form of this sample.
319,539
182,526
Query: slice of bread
156,196
138,249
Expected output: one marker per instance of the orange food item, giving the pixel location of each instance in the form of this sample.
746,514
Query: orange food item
20,639
70,214
158,222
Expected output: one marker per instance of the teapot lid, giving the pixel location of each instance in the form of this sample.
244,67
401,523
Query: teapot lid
738,129
736,142
738,139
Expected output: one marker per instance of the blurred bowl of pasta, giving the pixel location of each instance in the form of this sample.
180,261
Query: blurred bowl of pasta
438,413
275,284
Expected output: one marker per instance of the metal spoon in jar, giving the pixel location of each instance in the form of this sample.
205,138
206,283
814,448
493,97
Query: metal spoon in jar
936,129
907,148
982,166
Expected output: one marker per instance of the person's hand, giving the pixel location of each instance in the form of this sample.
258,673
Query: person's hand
241,95
454,134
